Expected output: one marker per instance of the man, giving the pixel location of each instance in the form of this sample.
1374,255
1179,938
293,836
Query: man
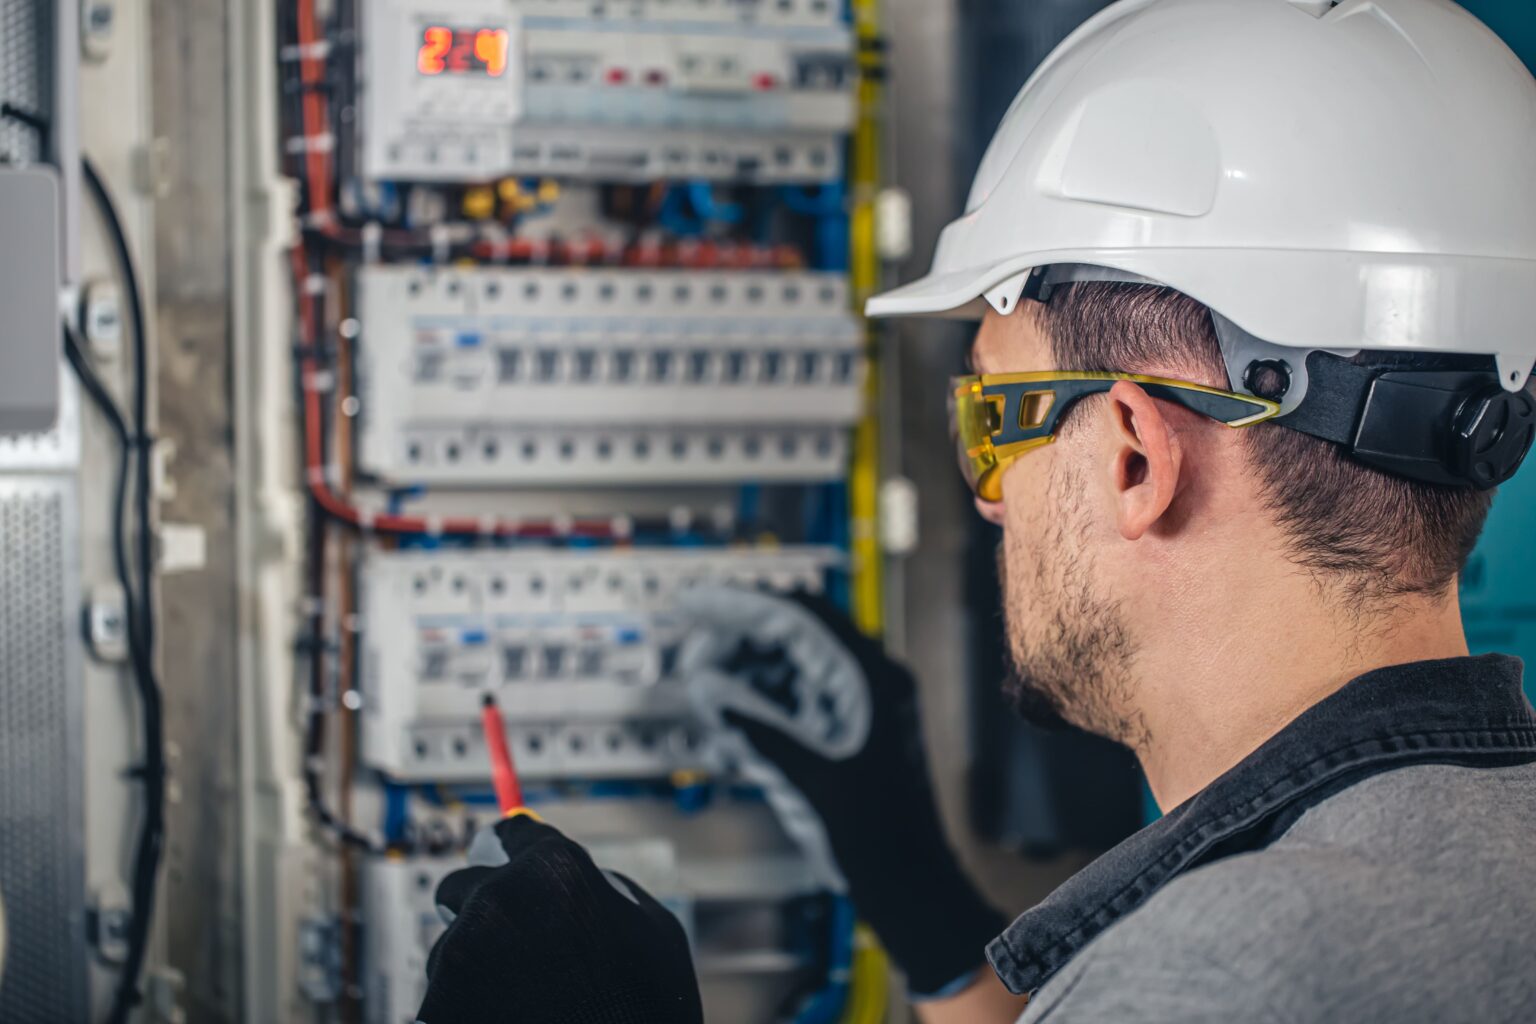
1258,279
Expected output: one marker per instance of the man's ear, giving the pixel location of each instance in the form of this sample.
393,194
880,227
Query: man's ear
1146,460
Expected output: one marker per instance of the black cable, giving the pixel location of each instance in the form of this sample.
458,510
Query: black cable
141,659
114,417
98,190
36,122
140,599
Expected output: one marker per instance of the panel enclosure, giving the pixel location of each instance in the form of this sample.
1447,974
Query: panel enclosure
579,647
559,376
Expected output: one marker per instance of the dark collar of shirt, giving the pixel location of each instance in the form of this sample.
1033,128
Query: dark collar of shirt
1465,711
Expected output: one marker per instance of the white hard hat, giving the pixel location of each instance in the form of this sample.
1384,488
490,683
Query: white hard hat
1359,176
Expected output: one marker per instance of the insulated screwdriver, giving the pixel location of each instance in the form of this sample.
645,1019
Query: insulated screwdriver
509,794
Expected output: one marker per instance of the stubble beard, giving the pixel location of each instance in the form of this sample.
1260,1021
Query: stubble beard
1068,651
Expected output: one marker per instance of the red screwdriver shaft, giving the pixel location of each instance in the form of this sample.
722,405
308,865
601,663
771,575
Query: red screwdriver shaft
509,794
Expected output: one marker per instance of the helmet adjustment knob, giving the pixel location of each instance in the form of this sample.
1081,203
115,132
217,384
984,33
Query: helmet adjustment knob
1268,378
1493,432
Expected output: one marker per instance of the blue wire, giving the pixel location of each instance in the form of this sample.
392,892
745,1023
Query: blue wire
748,503
701,194
826,1006
675,216
396,811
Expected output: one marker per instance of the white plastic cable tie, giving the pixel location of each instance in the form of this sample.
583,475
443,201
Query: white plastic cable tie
365,518
302,145
373,242
316,476
490,525
320,220
441,243
622,526
320,381
315,284
320,49
563,525
680,519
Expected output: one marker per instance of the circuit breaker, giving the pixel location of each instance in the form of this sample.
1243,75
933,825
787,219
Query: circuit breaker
626,91
537,376
579,647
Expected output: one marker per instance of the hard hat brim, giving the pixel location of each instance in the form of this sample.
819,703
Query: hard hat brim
1313,300
952,296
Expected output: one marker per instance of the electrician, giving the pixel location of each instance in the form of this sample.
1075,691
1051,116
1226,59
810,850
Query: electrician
1257,286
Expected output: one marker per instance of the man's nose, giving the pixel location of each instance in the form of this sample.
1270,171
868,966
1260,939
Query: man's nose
991,511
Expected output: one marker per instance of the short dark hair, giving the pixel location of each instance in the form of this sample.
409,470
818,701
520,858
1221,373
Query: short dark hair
1379,535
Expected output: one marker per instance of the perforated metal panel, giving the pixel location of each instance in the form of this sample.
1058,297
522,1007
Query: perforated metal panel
41,860
24,35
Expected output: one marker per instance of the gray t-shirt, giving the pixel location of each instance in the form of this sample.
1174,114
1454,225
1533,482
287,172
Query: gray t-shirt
1409,896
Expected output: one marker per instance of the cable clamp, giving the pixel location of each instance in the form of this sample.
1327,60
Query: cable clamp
143,773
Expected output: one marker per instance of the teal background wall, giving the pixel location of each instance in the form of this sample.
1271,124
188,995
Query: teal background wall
1498,596
1513,20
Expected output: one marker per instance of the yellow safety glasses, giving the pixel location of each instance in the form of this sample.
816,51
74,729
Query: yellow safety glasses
999,417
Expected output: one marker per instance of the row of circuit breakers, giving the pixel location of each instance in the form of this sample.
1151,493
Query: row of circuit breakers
562,376
579,646
617,90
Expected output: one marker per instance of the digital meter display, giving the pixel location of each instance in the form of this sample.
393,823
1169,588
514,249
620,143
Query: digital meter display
462,51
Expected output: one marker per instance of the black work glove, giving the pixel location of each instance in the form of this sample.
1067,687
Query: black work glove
823,703
549,938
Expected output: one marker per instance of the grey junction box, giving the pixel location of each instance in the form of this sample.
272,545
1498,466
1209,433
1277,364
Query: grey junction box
29,300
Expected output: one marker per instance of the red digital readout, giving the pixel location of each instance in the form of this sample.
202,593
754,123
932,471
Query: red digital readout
462,51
